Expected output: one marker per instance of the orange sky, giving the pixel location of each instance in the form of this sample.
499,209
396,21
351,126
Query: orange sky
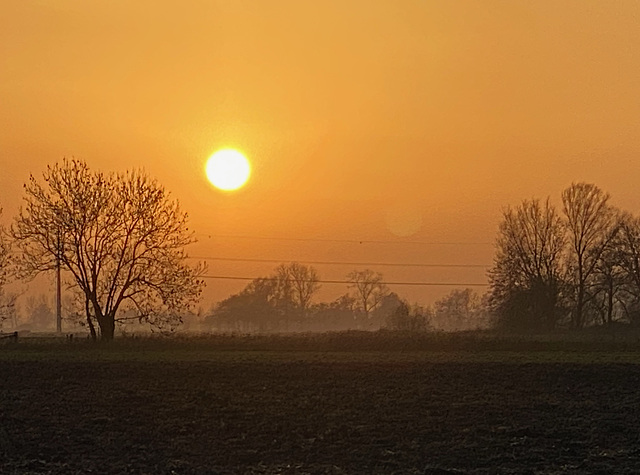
356,114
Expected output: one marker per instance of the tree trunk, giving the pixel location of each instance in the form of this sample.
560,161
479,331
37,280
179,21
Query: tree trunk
579,307
92,328
106,322
610,304
107,327
581,288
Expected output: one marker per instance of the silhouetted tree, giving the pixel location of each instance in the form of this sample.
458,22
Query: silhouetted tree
591,225
337,315
388,305
121,238
268,303
301,283
368,290
409,318
525,279
627,244
460,310
256,307
609,286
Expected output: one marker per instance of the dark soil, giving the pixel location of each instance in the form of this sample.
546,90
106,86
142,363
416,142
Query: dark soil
236,416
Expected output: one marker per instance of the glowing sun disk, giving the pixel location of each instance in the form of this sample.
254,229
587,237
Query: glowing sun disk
228,169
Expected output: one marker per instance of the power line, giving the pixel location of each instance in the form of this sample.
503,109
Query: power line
426,284
349,241
341,263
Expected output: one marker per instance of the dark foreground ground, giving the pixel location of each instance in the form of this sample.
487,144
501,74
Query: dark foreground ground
88,411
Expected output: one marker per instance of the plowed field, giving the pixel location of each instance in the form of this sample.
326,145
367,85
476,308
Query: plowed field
288,412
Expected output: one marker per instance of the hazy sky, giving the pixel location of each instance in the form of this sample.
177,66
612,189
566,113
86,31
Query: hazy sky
364,119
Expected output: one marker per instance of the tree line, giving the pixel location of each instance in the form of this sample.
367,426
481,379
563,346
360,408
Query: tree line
572,267
284,301
120,239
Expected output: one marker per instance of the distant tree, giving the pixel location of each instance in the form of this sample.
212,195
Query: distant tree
409,318
300,282
389,304
337,315
460,310
345,302
256,307
368,290
627,244
281,295
40,315
268,303
7,302
525,279
609,288
591,224
121,238
10,311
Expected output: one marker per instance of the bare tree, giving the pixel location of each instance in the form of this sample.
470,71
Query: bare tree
460,309
121,238
302,284
409,318
268,303
368,289
525,278
610,286
7,302
591,225
627,243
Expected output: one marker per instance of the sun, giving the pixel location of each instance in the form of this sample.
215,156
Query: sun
228,169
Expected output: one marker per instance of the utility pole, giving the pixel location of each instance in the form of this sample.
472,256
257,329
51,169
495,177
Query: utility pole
58,289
